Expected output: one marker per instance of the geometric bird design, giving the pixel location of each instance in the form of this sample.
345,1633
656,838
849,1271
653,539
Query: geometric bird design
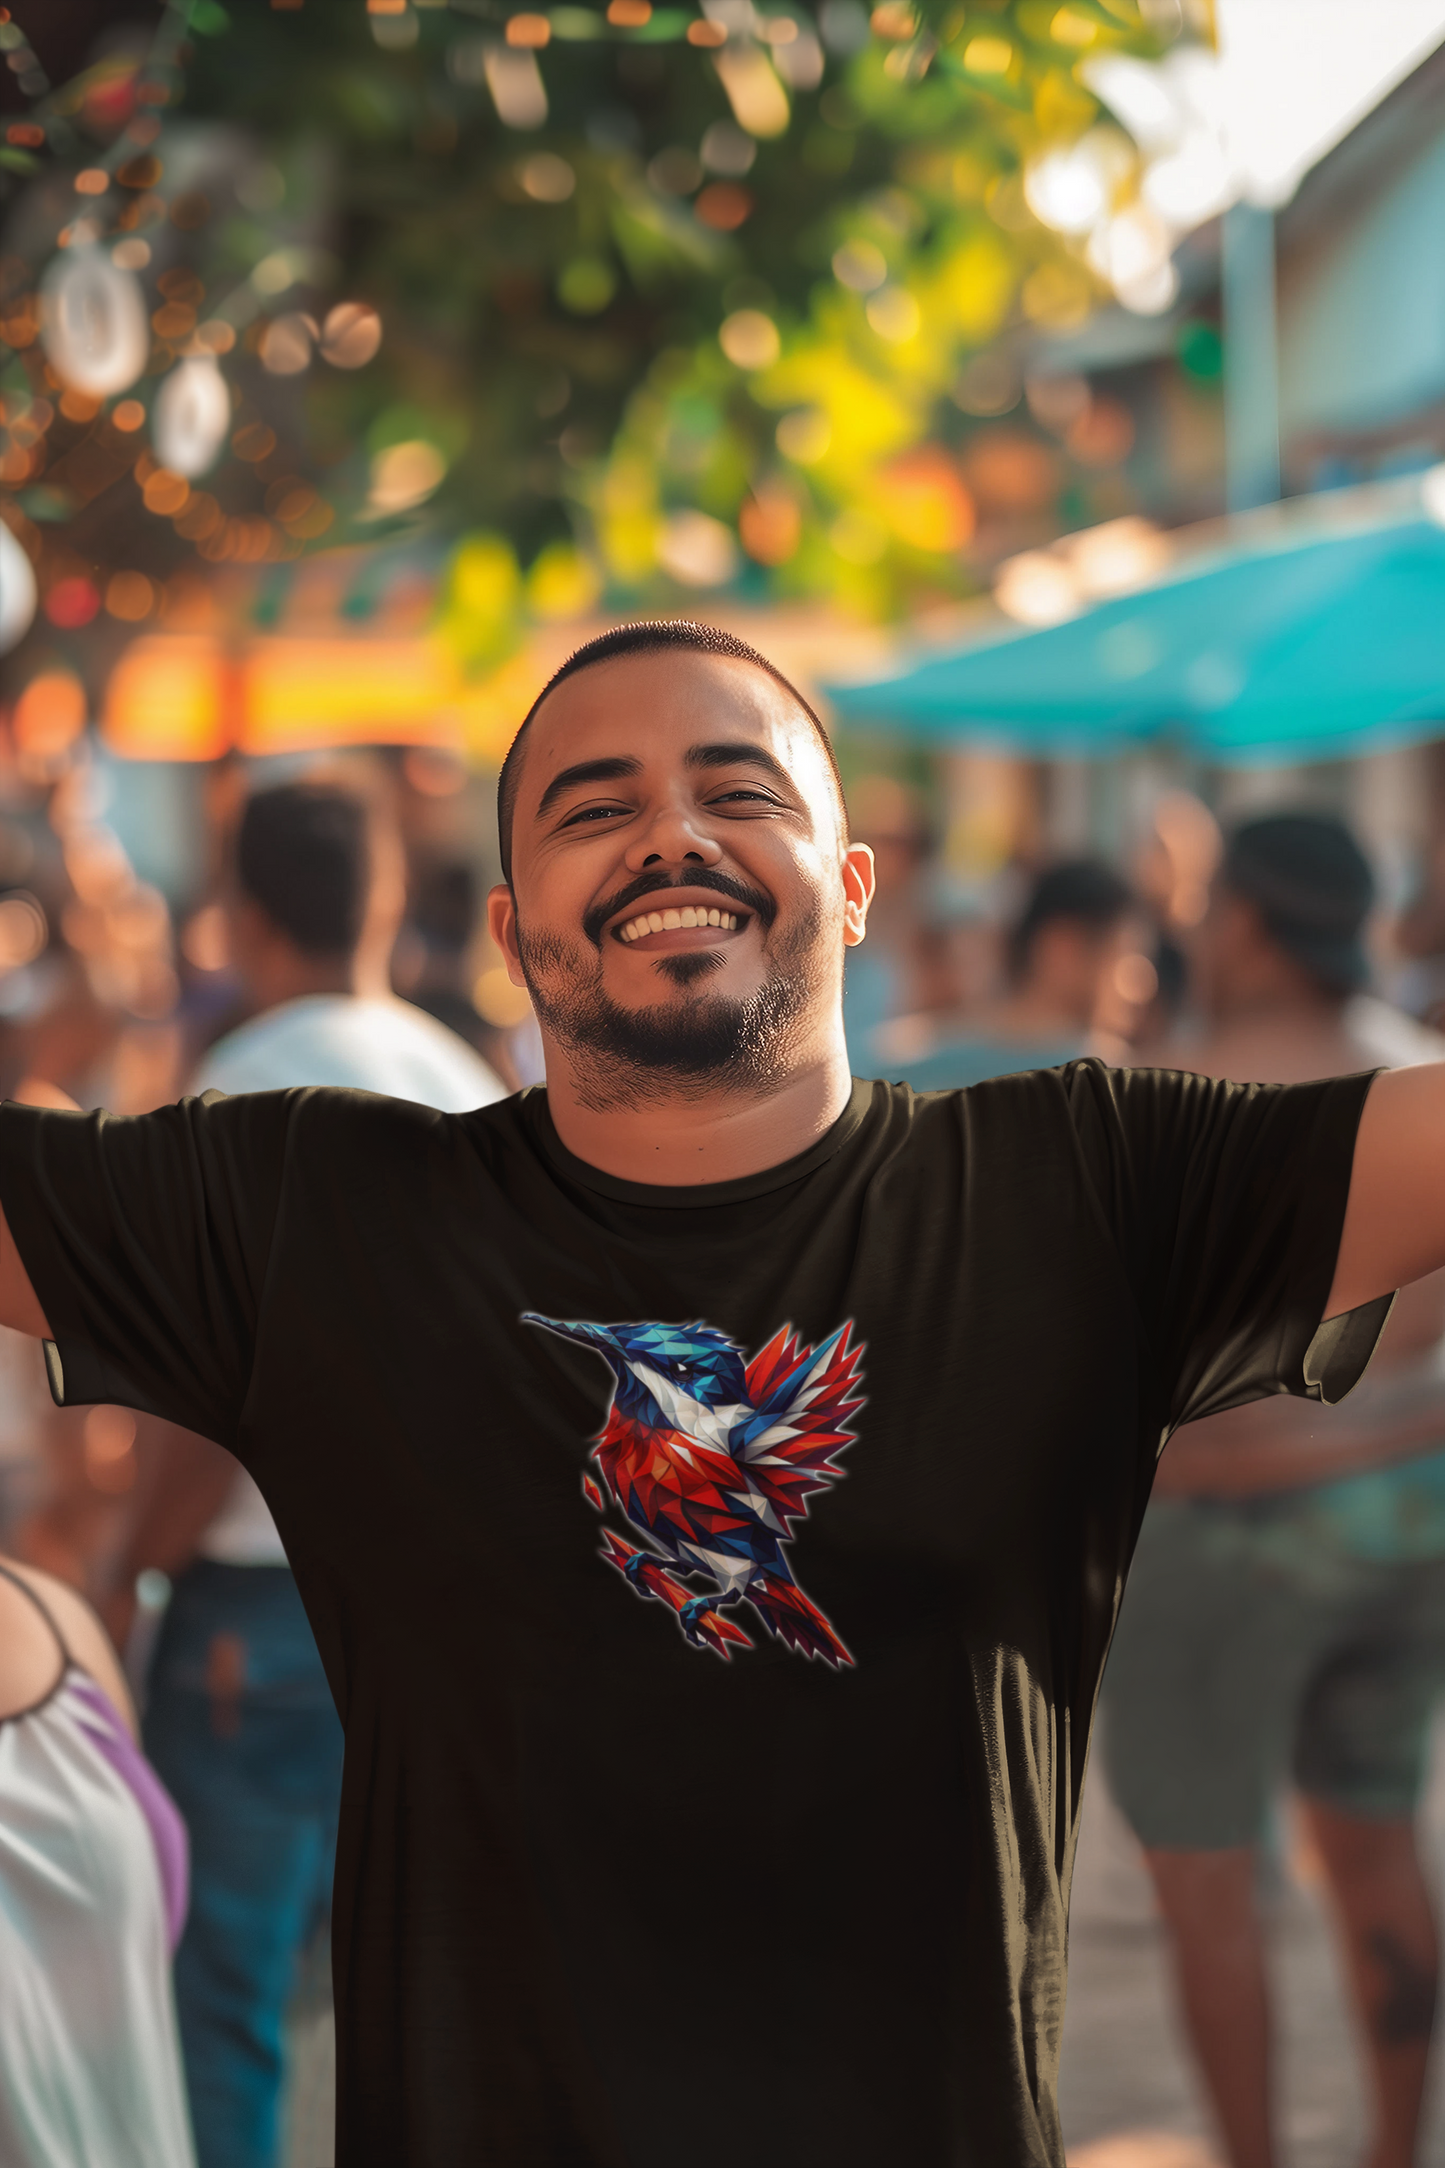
712,1459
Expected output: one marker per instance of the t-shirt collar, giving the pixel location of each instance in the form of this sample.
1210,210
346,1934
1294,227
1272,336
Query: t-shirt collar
695,1195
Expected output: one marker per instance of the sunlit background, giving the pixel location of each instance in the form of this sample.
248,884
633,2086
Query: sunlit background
360,358
1057,389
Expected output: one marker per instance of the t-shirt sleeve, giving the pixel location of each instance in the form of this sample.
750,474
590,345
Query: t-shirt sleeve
147,1240
1226,1202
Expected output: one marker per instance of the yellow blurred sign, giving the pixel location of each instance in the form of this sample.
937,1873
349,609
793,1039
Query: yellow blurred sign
194,696
301,693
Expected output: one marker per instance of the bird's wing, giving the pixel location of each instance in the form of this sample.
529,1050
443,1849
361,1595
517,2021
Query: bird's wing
681,1490
802,1401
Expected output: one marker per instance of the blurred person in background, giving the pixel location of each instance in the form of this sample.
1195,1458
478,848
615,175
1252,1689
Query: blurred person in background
239,1717
881,979
444,917
92,1895
1417,981
1286,1609
1160,983
1078,924
317,900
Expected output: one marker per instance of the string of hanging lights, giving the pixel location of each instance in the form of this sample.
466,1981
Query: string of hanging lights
83,334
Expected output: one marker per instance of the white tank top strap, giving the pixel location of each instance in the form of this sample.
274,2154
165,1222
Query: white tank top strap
67,1661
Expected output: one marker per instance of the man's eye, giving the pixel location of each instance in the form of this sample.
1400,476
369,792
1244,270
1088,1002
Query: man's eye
744,790
595,813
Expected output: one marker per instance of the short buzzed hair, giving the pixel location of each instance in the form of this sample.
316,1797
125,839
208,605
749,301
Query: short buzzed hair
303,853
648,637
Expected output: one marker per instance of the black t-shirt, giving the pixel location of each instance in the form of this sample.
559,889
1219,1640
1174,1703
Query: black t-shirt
626,1875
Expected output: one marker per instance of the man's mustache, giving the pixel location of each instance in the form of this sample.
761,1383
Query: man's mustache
650,884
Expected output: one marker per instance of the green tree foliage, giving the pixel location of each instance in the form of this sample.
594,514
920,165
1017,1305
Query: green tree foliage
668,300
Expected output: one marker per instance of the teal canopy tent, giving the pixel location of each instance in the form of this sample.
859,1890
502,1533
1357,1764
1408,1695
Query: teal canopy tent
1314,632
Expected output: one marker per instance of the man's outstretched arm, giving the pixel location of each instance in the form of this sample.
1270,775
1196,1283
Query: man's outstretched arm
19,1304
1394,1228
140,1245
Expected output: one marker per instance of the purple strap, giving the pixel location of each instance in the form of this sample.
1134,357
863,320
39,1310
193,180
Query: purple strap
105,1729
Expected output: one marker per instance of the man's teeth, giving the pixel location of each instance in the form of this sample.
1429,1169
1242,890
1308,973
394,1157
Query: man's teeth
669,921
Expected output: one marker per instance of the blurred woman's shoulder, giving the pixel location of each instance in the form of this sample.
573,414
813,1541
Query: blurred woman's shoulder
45,1626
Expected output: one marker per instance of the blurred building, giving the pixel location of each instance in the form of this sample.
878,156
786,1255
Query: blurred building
1317,330
1360,310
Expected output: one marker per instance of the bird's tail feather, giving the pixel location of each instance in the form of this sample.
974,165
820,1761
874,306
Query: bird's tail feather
787,1612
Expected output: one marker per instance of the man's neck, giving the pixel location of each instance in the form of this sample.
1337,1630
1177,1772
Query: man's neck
299,980
1282,1039
1033,1015
677,1141
295,976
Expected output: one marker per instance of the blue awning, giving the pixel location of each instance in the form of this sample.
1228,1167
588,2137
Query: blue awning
1314,633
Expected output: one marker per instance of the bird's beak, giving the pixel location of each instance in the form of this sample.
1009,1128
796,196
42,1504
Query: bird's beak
593,1336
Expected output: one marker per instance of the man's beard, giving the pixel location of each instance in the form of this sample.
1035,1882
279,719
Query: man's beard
691,1046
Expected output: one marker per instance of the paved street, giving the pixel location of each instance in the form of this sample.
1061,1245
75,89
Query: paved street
310,2115
1129,2099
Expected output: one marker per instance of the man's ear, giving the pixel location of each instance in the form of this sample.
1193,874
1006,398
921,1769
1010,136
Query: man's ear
502,924
859,881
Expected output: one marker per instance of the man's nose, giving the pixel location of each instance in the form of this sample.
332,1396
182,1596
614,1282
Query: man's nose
672,837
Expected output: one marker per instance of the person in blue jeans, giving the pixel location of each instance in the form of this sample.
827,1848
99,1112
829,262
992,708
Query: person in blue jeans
239,1716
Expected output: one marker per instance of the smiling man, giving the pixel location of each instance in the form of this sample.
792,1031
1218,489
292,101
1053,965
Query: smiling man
668,771
711,1480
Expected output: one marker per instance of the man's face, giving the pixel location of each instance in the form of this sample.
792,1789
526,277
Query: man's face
1072,964
1226,950
1125,980
681,896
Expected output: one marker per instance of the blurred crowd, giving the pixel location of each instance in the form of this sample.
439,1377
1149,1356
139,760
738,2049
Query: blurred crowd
1055,954
327,889
1286,1620
110,995
1283,1630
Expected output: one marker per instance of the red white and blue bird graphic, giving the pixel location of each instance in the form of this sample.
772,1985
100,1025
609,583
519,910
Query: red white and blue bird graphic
713,1458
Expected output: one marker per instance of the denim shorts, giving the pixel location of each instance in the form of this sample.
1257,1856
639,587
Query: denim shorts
1244,1659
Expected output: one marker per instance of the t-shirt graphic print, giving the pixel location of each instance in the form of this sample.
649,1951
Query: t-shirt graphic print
713,1457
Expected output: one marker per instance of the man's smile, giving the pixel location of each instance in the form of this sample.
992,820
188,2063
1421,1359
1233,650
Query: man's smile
661,912
680,919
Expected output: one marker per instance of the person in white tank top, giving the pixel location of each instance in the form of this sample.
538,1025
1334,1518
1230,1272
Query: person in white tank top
92,1895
